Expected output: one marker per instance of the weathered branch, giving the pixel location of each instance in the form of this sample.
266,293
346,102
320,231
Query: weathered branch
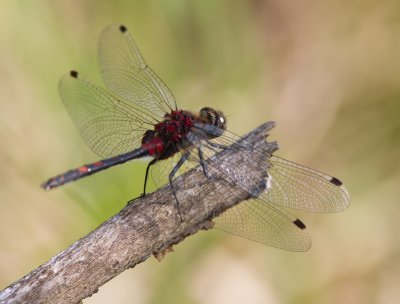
149,225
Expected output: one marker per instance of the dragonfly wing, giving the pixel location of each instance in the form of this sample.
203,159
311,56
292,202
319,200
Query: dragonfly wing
259,221
288,184
126,74
109,126
293,185
253,219
298,187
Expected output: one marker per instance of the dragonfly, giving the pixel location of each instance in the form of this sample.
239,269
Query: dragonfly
137,117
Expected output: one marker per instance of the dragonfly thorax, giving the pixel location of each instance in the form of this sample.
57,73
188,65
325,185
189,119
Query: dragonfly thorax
171,134
168,135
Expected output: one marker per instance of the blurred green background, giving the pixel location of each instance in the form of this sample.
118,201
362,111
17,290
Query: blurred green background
327,71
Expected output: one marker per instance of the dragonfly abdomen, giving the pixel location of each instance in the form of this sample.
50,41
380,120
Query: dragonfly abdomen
89,169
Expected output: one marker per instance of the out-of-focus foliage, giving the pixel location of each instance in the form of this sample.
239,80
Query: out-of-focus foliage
327,71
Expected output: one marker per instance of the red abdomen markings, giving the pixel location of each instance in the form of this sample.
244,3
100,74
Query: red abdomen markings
154,145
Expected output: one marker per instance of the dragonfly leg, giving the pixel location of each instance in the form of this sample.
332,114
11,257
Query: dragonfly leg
152,162
205,169
203,163
179,164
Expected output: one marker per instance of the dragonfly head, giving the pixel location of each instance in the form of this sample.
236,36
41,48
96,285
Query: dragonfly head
214,118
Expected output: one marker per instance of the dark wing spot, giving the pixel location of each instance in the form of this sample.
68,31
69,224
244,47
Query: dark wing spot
123,28
299,224
336,182
74,74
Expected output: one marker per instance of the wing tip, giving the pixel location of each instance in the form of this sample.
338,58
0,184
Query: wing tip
122,28
299,224
345,192
73,74
336,181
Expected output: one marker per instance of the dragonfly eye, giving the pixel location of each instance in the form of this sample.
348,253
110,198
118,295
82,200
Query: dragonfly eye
221,121
213,117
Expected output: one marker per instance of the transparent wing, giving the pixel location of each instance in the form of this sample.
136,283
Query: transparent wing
255,219
290,185
298,187
126,74
259,221
293,185
109,126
